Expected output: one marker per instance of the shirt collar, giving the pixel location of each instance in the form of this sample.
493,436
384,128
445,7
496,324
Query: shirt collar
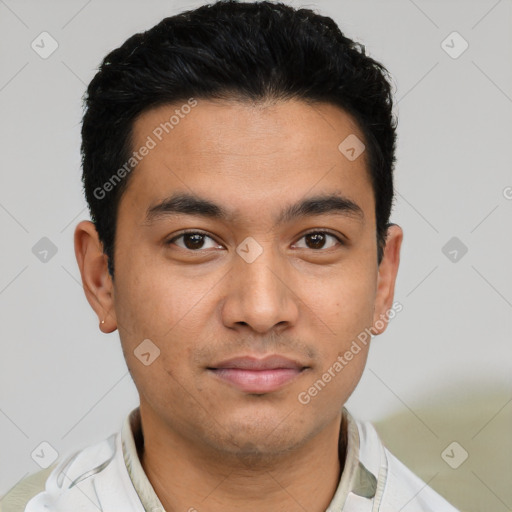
132,441
355,477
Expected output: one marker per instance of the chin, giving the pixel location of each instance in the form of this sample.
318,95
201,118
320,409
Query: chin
257,447
259,436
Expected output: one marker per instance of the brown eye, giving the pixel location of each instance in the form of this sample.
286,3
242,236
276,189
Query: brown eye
317,240
192,240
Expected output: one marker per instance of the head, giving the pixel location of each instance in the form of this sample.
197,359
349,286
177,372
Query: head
268,136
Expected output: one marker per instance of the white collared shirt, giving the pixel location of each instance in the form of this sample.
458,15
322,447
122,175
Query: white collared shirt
108,476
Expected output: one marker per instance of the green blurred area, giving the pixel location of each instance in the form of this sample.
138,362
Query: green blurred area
480,422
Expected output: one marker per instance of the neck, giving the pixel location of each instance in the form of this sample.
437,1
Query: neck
200,479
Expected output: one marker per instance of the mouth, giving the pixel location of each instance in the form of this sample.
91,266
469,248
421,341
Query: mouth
258,376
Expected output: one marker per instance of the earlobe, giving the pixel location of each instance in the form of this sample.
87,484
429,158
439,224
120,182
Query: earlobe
96,280
386,280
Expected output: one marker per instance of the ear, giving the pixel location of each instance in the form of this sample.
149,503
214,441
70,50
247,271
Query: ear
388,270
96,280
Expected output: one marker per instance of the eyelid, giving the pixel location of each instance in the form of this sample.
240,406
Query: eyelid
339,236
191,231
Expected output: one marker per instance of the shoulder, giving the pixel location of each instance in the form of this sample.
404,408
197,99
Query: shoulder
18,497
408,492
94,478
398,488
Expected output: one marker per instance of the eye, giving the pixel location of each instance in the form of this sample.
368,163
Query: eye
195,240
192,240
317,239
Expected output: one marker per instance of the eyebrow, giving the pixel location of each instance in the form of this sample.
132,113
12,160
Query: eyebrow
188,204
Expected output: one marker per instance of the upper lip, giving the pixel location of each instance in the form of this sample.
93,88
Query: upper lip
271,362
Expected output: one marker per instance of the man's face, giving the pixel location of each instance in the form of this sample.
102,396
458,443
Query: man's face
249,285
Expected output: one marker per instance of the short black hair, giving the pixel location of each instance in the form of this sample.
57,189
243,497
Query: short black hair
253,51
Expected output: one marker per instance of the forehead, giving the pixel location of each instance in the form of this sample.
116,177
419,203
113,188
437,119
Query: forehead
246,129
248,155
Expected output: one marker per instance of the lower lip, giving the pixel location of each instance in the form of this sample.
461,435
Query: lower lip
257,381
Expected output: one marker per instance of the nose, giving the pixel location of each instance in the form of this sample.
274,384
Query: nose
261,294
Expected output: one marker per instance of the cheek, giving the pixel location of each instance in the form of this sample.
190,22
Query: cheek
153,300
168,309
345,312
343,302
153,306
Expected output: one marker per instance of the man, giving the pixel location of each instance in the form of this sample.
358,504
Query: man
238,161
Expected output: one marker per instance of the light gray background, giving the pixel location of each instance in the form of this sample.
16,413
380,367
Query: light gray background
64,382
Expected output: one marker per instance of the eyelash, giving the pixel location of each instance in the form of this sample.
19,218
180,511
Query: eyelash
196,232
